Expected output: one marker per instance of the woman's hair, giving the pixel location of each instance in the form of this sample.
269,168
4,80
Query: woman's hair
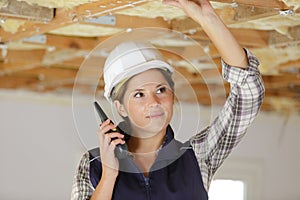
119,94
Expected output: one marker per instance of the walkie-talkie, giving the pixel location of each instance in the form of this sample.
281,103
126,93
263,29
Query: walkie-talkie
119,151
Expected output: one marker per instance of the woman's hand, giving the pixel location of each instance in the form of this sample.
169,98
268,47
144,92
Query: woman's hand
203,13
196,9
107,143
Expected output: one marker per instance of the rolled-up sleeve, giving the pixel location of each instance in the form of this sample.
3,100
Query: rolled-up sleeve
213,145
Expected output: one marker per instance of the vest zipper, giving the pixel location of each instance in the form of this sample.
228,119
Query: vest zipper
146,179
147,186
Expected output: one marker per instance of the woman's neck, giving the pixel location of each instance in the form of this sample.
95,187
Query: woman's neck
146,145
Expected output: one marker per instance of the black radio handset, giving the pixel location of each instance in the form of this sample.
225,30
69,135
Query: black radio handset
119,151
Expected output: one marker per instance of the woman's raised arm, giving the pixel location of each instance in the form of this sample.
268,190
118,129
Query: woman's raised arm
203,13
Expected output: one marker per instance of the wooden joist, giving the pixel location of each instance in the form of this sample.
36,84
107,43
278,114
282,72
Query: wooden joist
64,17
255,38
258,3
66,42
38,78
290,67
229,15
291,37
19,60
23,10
53,79
30,28
258,38
127,21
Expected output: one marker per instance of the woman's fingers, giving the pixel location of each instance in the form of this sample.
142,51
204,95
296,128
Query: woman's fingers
188,6
115,142
107,137
172,3
110,137
105,127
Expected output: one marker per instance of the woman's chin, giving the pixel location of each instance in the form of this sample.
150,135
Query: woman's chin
150,130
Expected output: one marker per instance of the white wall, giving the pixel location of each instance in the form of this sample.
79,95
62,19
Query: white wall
40,147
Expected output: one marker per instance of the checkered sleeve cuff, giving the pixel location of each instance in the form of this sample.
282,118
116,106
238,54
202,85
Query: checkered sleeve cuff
237,75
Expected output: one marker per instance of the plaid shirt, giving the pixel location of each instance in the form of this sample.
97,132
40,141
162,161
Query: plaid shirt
212,145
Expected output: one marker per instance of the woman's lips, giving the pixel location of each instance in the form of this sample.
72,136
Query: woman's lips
155,115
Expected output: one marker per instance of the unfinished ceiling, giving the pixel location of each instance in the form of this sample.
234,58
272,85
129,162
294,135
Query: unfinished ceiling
43,43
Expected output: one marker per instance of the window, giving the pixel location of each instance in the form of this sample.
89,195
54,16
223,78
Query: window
243,176
223,189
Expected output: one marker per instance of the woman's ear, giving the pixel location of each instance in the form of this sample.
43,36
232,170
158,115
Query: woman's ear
120,108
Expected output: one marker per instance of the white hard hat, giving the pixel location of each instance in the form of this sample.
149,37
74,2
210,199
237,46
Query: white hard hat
128,59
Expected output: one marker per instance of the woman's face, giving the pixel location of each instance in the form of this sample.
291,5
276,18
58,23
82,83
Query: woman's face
148,103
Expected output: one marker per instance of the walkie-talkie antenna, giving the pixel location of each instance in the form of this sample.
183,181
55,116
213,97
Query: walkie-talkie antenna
100,112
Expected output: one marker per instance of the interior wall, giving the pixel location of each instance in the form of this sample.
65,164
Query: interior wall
40,147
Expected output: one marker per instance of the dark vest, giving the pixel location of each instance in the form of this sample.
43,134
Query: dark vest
175,175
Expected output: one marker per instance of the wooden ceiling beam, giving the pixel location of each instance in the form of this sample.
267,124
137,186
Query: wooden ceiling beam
51,79
286,82
250,12
127,21
47,74
64,17
291,37
291,67
30,28
66,42
74,64
258,3
281,105
18,60
229,15
255,38
103,7
38,79
69,42
23,10
10,82
25,56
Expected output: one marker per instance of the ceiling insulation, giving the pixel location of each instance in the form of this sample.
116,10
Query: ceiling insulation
3,3
19,45
58,3
273,57
54,57
283,105
85,30
292,3
273,36
11,25
277,22
153,9
72,3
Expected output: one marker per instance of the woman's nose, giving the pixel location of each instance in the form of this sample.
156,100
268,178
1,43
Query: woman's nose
153,100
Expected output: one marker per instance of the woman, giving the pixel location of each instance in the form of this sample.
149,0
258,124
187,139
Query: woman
139,83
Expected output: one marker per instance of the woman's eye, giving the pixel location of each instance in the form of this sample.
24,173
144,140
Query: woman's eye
138,95
161,90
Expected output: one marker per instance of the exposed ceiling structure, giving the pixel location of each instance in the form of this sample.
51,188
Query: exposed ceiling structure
44,43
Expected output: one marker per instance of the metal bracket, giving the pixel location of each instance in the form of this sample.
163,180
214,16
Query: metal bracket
106,20
41,39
